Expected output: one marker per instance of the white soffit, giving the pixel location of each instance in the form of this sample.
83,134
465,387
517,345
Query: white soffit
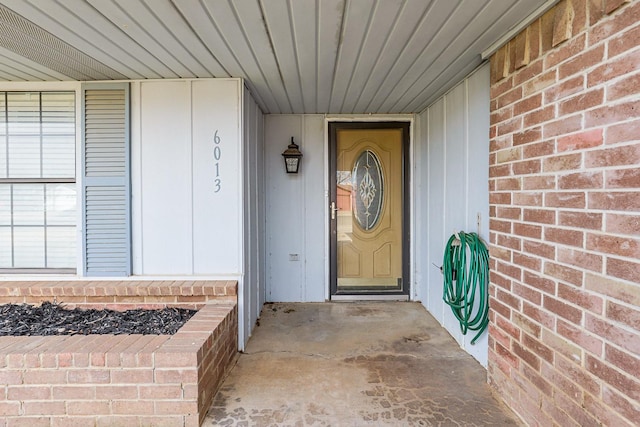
297,56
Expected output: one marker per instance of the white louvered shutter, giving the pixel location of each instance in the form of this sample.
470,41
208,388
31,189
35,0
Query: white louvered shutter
106,182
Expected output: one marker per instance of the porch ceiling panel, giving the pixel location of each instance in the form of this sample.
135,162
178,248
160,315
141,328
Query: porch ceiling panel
297,56
18,68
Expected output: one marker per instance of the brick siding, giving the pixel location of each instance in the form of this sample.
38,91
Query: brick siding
108,380
564,345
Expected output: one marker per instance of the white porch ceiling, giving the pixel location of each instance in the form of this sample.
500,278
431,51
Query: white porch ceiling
297,56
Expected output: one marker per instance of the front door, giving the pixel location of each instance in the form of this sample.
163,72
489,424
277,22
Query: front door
368,209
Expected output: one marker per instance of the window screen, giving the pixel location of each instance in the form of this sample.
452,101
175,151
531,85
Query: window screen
37,180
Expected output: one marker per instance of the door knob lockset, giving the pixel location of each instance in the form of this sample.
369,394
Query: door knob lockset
334,209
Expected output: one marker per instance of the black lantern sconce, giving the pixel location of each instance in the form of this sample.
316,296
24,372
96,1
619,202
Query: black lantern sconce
292,156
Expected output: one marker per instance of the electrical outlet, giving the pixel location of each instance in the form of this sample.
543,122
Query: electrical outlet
294,257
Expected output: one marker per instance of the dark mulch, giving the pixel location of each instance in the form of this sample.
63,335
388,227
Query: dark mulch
53,319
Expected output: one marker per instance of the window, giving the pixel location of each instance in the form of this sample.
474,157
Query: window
37,181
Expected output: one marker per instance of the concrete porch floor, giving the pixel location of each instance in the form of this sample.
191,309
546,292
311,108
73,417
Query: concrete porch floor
354,364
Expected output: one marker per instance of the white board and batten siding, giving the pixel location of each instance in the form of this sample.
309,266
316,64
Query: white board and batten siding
187,222
252,298
196,179
452,175
295,210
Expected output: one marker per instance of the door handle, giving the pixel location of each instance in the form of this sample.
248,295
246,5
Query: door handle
334,209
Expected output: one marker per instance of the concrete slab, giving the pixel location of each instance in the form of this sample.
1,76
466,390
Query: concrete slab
355,364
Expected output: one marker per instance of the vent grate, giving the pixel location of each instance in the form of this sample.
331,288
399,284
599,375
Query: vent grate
27,39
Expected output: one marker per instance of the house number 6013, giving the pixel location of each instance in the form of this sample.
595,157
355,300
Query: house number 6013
217,154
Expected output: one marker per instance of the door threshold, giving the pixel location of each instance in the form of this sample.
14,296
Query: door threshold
369,297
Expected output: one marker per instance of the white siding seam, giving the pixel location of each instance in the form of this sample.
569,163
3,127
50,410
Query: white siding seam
444,188
427,162
191,204
242,327
467,177
140,174
303,269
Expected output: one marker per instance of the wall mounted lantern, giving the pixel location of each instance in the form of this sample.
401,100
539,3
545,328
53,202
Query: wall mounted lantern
292,156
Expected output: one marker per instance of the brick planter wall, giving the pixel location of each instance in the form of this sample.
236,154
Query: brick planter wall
565,217
120,294
119,380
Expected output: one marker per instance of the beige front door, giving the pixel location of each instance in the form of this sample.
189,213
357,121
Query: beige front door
368,208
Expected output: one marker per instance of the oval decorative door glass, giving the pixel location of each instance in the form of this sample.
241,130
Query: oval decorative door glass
368,186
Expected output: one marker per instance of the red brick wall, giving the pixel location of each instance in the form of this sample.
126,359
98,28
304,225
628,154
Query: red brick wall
564,346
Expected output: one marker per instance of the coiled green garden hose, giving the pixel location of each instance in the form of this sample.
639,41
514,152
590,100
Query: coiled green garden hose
466,281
